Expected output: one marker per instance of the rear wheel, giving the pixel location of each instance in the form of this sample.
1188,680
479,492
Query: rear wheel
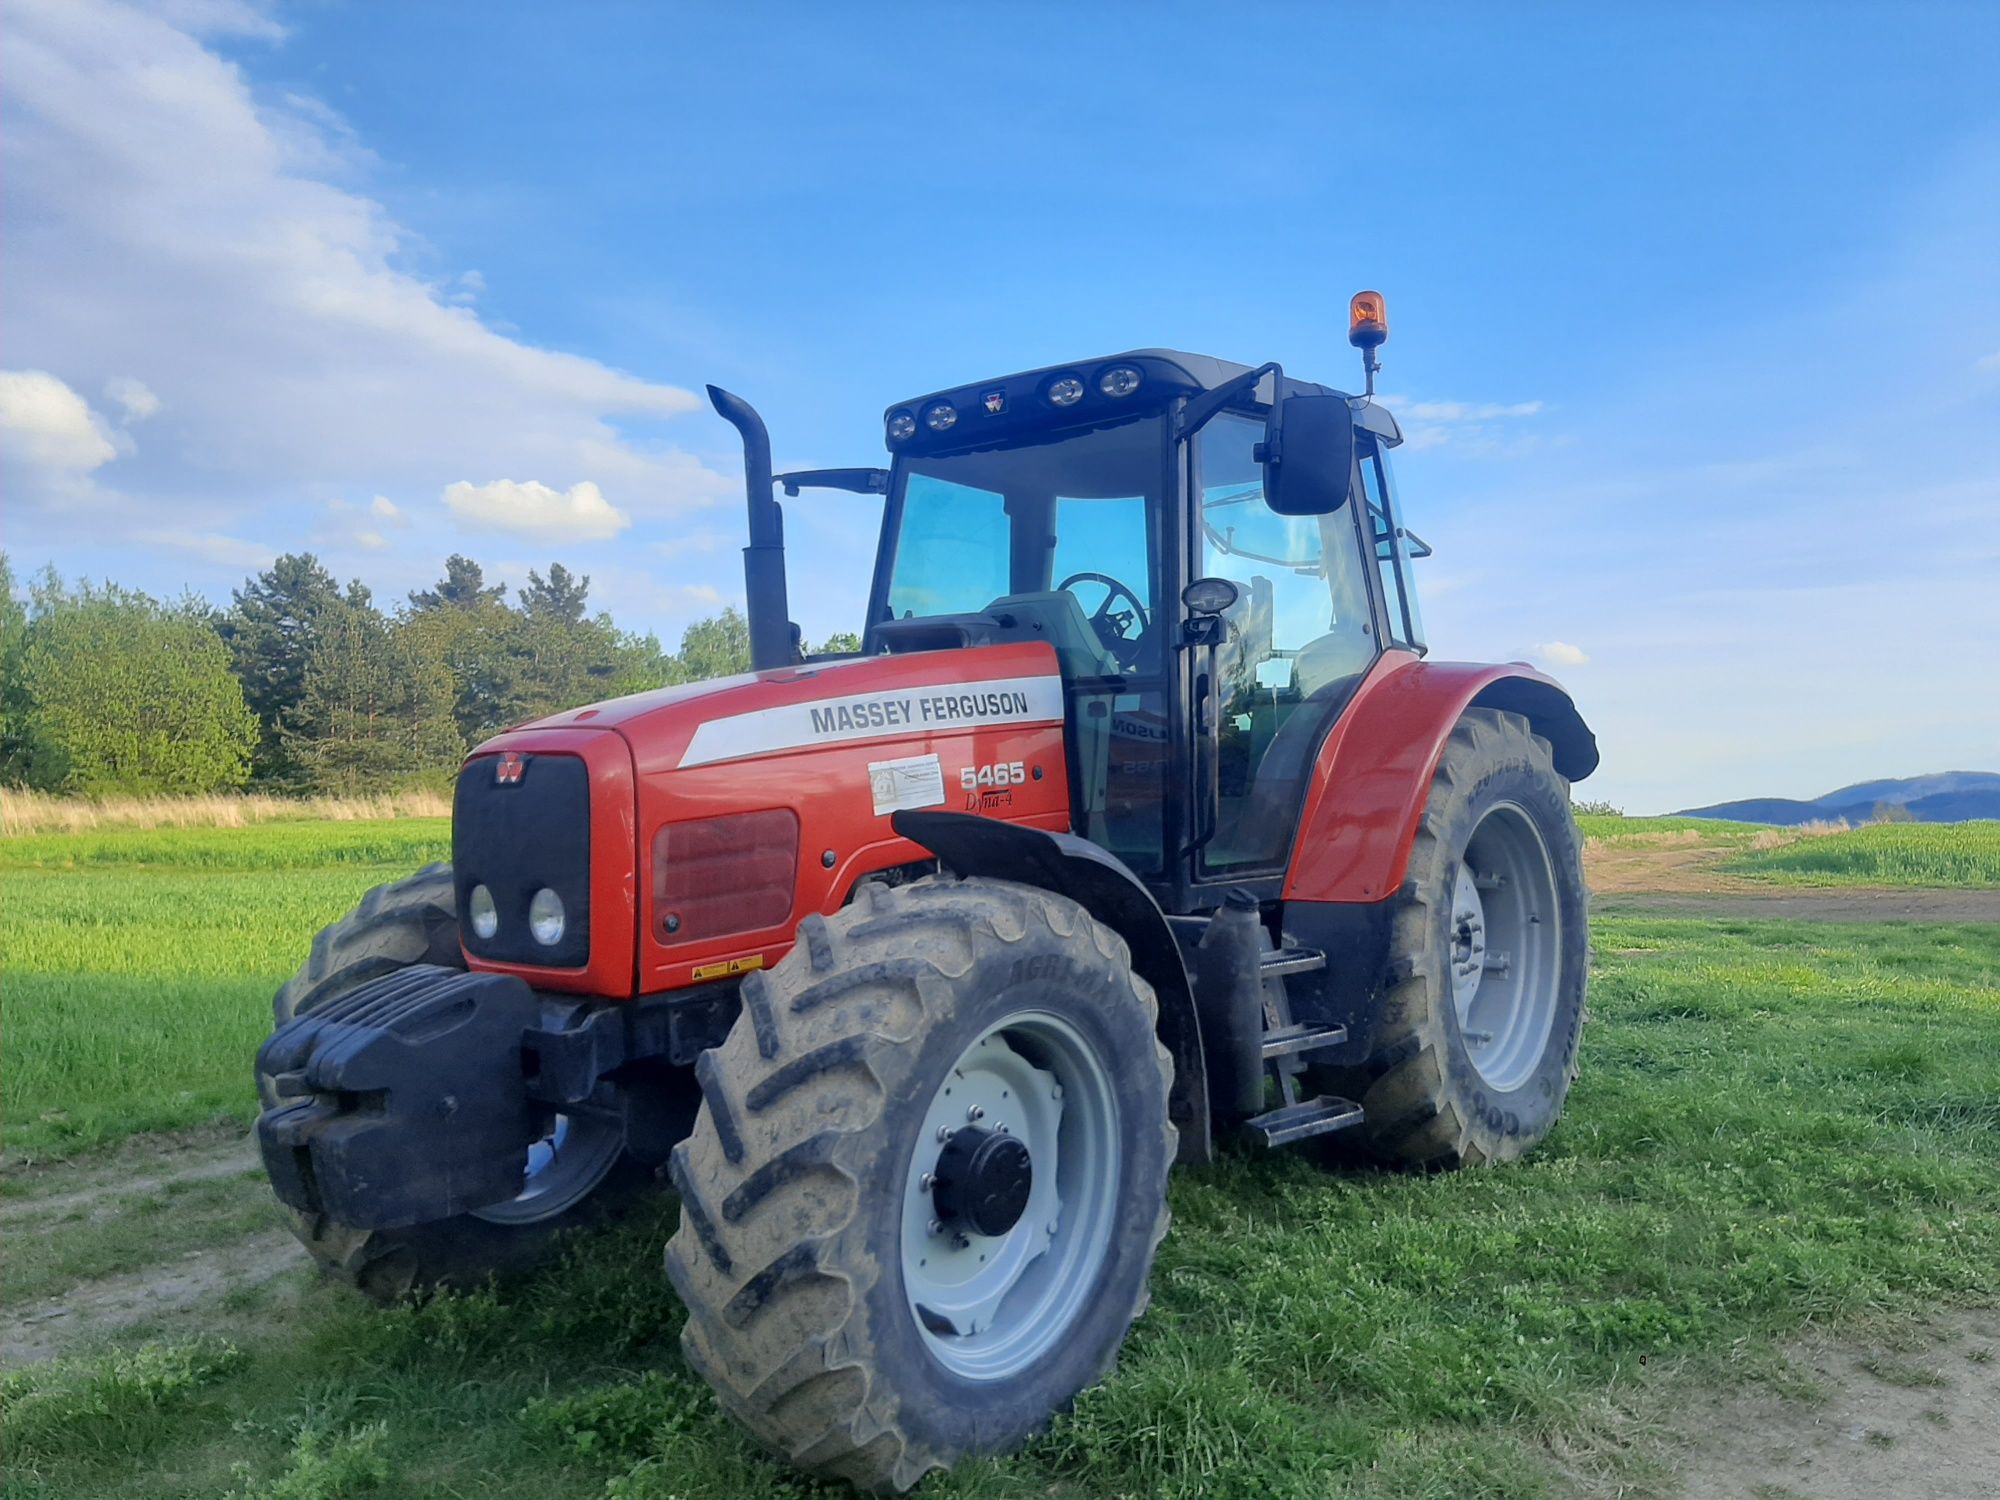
578,1173
1488,955
920,1203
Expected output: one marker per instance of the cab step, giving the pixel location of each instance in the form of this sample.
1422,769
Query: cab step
1307,1118
1301,1036
1276,963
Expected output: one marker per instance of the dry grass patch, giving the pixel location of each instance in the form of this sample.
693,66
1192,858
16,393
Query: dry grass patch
23,813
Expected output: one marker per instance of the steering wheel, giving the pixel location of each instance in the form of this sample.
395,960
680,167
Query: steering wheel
1115,628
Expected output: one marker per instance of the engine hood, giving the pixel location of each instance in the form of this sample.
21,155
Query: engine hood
793,709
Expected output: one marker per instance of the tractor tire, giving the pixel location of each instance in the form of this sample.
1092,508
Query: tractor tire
415,921
807,1234
1488,955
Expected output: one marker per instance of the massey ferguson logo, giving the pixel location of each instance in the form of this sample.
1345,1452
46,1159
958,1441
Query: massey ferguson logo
508,768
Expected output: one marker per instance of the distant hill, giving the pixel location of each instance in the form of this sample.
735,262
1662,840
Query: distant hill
1944,797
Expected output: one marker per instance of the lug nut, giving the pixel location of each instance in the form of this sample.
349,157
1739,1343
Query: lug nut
937,1226
944,1132
925,1182
975,1113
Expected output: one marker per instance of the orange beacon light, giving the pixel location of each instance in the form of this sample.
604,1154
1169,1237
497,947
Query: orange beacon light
1367,320
1367,330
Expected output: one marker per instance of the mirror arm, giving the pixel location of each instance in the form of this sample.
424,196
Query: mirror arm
857,481
1208,403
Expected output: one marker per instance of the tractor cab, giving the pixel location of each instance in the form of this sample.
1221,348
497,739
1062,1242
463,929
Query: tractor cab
1213,551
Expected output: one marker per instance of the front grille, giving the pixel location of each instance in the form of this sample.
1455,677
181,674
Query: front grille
514,838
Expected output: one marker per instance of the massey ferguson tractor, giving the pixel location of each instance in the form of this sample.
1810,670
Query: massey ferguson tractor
1138,824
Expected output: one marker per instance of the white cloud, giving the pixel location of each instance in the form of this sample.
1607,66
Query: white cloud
374,541
138,401
161,218
1988,362
46,424
1562,654
385,509
1476,426
530,508
210,546
1468,411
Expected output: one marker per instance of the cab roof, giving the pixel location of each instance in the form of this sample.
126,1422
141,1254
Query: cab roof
993,410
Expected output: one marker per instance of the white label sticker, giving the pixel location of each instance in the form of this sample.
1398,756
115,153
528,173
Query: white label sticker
913,781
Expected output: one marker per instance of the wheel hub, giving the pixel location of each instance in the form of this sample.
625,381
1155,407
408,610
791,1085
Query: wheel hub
1009,1204
1468,937
1505,940
983,1181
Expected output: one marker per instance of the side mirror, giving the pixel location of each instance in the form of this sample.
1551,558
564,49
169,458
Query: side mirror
1309,455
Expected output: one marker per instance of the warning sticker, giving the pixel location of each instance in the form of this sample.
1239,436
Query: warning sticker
913,781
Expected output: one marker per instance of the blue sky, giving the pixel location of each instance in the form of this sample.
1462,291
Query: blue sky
1695,309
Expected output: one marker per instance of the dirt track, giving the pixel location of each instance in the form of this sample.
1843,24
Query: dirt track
1847,905
1680,875
1903,1418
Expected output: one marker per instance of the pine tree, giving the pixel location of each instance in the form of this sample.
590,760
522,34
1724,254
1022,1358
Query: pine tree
462,587
377,710
271,631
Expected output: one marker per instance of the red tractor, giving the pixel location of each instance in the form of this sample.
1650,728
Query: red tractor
1139,819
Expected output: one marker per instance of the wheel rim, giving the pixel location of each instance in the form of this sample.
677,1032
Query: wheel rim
989,1305
1506,937
563,1168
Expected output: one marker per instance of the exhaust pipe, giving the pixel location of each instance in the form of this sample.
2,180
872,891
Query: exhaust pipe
771,643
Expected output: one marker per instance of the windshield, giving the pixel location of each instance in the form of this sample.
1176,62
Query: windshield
966,529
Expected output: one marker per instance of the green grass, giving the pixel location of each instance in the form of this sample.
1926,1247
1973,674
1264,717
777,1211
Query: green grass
140,964
1776,1124
1614,827
1921,854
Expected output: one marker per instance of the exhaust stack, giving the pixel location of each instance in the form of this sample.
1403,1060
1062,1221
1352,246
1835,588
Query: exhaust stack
771,643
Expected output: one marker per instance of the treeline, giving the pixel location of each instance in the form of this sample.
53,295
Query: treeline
304,686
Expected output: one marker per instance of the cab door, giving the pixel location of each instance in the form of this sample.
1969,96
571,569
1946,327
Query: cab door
1302,635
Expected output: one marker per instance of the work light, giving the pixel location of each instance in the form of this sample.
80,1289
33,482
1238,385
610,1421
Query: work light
940,416
545,917
1119,380
1066,391
485,916
901,426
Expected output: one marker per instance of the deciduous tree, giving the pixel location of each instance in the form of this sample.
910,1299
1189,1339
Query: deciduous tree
129,695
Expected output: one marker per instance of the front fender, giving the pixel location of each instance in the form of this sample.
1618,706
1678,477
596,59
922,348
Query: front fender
1104,886
1374,771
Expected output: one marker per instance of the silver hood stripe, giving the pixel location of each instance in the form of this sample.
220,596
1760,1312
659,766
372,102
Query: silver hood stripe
947,708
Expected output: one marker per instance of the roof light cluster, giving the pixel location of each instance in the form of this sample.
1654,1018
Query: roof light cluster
1061,391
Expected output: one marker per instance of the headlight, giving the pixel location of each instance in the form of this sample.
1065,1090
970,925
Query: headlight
545,917
940,416
1065,392
901,426
1119,380
484,915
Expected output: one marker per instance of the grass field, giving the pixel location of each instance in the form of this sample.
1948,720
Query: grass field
1915,854
139,964
1777,1124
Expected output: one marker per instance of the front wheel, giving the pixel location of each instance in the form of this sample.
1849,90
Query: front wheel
921,1201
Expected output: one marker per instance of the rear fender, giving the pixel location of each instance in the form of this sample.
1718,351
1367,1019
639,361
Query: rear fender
1374,771
1106,888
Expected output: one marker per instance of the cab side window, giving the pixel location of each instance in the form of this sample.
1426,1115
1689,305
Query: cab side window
1392,552
1300,639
